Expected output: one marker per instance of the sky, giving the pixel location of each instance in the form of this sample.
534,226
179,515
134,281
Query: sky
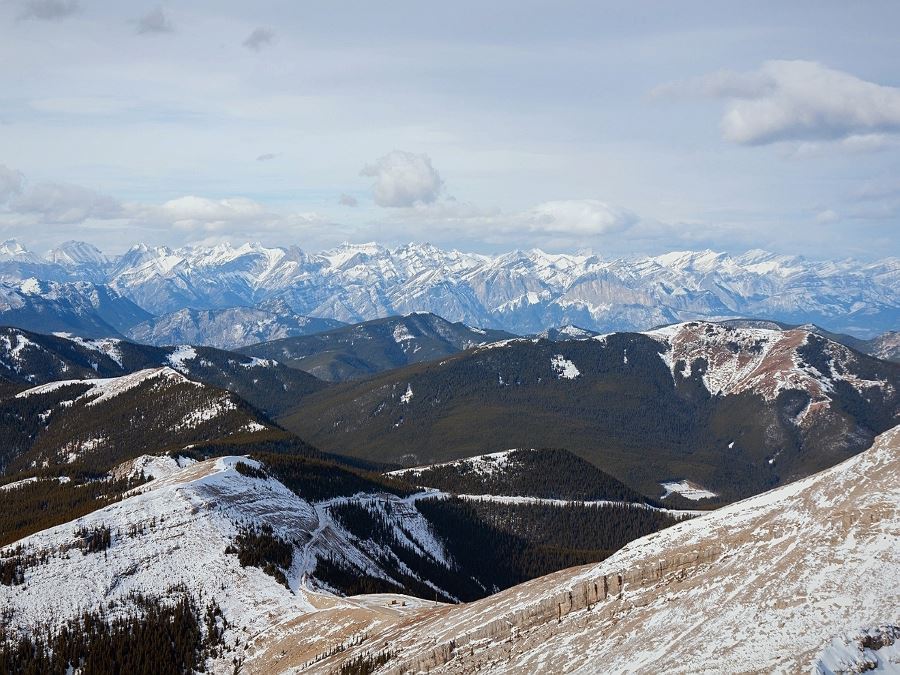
622,128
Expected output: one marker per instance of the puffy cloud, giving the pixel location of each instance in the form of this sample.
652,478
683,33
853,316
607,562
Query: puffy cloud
11,182
797,101
259,39
48,10
62,203
589,217
404,179
348,200
154,22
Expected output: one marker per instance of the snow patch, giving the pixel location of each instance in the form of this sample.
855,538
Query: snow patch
687,489
565,369
181,354
407,395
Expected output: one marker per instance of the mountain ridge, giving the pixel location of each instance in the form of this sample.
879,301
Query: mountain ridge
521,291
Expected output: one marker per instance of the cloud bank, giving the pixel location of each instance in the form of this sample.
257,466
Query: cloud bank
797,101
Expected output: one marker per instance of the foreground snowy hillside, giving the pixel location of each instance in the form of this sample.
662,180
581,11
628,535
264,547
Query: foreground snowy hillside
801,578
269,548
174,531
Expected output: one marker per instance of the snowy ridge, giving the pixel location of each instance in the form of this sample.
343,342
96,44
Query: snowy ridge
101,390
110,347
760,360
545,501
175,529
783,581
485,465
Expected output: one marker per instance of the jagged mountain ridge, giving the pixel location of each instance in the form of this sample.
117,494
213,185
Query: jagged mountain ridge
28,359
229,328
734,410
523,292
374,346
80,307
794,579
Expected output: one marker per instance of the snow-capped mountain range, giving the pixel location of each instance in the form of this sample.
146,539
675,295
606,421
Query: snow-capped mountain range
520,291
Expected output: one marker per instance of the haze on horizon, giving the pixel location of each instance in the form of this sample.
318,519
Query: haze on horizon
480,126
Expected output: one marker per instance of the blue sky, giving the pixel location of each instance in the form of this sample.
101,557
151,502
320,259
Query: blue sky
626,128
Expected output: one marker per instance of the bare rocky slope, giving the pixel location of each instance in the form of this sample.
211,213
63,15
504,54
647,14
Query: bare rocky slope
802,578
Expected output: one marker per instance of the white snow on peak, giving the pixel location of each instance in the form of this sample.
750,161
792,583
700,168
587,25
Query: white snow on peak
30,286
174,530
760,360
574,331
564,368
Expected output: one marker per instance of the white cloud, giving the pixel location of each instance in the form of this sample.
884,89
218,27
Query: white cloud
404,179
267,156
61,203
827,216
259,39
588,217
797,101
155,21
193,218
720,84
48,10
11,182
199,213
562,224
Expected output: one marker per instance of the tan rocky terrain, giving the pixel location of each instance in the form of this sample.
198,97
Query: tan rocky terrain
804,577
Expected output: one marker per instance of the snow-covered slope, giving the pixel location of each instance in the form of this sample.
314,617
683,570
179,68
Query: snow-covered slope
521,291
174,531
792,580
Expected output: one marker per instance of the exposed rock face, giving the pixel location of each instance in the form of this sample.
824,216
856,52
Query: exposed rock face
764,584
